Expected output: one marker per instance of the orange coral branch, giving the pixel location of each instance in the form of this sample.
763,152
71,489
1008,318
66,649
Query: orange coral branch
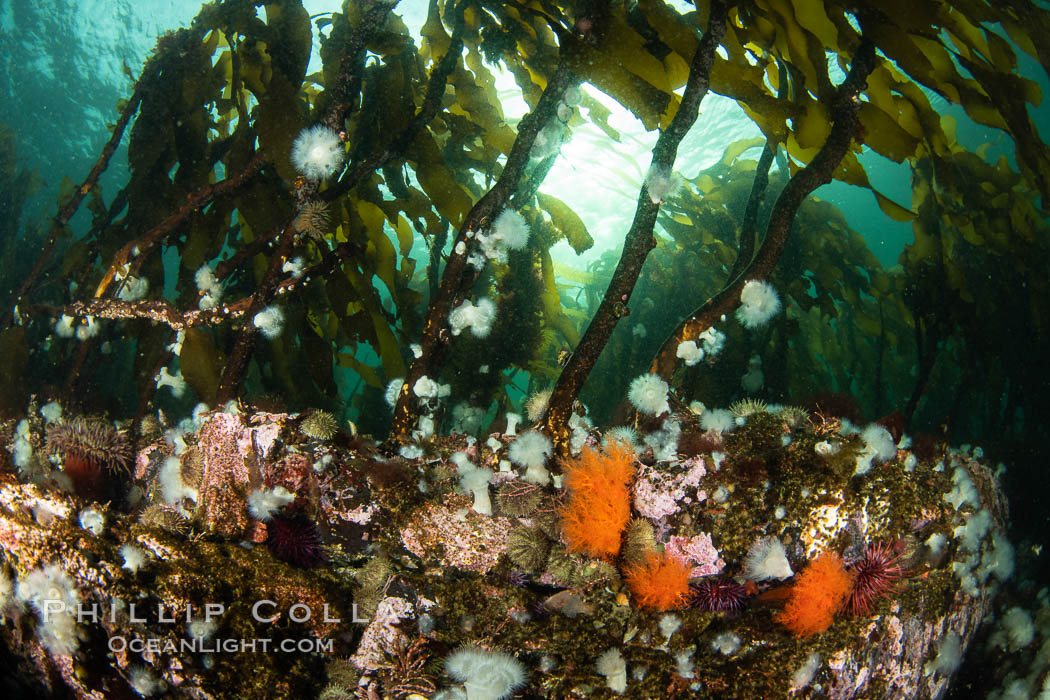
817,595
599,503
661,583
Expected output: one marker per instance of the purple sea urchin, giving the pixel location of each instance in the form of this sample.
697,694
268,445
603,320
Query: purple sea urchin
516,578
295,539
718,595
875,576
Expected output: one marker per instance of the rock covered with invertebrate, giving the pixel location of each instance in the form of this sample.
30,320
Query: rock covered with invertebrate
180,535
710,581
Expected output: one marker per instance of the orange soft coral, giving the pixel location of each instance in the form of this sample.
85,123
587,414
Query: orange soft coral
599,504
817,595
661,583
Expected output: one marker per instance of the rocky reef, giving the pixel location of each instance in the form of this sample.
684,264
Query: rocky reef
253,554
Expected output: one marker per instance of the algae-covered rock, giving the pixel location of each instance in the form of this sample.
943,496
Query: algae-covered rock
432,576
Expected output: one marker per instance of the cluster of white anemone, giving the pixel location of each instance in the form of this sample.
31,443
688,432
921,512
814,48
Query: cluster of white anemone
318,153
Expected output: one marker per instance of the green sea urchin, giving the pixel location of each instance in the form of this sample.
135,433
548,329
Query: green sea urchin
518,498
342,673
639,541
794,416
335,692
527,547
319,425
165,518
565,569
747,407
150,427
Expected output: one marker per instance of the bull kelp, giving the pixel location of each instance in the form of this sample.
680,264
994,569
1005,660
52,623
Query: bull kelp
464,433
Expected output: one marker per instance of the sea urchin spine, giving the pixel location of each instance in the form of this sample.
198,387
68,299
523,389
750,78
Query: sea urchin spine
718,595
296,540
876,574
319,425
89,448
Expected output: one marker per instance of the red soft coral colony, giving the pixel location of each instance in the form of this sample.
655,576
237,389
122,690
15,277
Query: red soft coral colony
599,504
818,592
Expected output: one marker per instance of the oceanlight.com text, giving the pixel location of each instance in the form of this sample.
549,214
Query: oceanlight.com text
229,646
264,611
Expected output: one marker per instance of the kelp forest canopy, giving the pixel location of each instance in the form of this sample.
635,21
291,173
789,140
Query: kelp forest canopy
220,271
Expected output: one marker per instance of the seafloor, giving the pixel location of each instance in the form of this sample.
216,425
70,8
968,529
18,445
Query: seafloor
385,577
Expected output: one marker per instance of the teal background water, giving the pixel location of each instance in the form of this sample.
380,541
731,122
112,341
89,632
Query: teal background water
64,65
